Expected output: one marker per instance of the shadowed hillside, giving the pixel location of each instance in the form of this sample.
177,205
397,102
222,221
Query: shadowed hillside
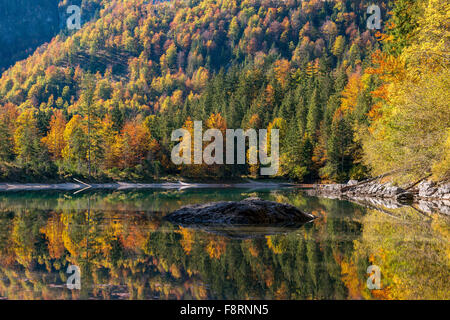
27,24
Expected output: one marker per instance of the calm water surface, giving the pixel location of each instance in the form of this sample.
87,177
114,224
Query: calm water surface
125,250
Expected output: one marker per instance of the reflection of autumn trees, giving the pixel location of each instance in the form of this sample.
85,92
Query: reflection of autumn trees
134,254
130,258
187,239
52,231
412,251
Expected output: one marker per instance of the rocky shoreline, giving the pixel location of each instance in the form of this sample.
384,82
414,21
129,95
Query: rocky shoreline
428,206
426,196
425,190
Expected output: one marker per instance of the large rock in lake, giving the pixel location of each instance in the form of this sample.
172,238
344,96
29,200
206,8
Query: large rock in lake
251,211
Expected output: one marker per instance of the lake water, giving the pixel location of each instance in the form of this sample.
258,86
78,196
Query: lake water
125,250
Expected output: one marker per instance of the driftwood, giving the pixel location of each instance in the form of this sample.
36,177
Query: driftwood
346,188
417,182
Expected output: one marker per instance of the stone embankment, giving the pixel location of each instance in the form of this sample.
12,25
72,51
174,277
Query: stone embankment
425,190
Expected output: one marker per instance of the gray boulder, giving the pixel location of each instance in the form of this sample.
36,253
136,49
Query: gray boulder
440,206
426,189
443,192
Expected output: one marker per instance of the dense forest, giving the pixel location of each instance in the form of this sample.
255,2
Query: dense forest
101,102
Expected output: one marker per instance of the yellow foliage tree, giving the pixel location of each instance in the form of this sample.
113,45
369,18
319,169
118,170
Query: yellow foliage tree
55,138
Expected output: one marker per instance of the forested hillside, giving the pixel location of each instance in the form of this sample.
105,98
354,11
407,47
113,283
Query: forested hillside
24,25
103,101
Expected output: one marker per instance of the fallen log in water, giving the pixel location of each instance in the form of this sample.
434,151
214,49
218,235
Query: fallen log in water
81,186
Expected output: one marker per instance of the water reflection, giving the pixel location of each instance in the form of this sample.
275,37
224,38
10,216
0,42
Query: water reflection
125,250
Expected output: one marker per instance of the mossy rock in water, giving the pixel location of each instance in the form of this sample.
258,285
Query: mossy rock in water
252,211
